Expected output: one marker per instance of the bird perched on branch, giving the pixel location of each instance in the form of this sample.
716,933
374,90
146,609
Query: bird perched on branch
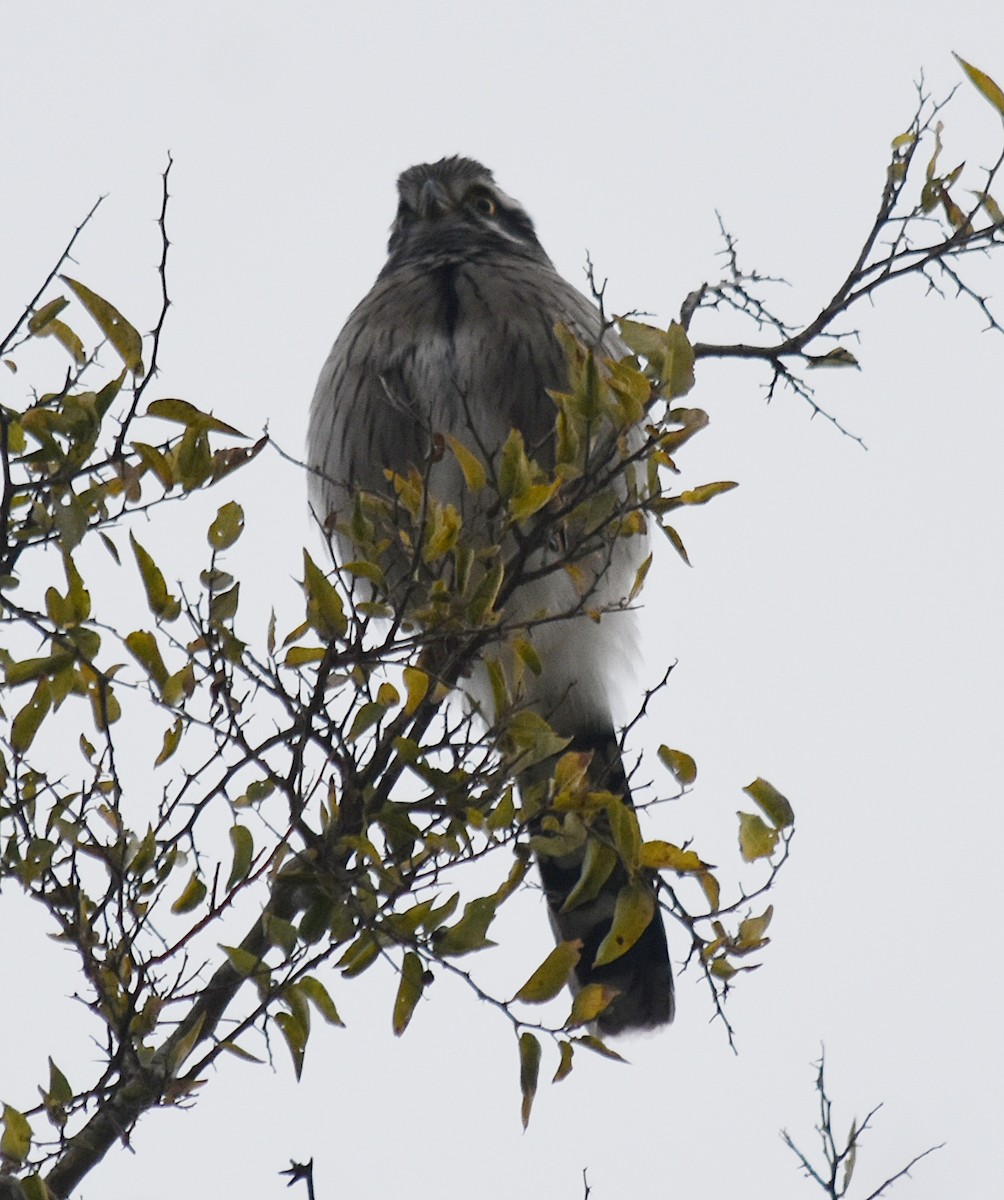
457,339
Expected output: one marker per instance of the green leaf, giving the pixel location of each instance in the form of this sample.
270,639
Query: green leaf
756,839
243,845
227,527
552,974
112,324
529,1071
162,604
409,991
680,765
633,914
772,804
983,83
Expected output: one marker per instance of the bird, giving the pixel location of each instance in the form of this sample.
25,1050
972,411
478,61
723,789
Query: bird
457,338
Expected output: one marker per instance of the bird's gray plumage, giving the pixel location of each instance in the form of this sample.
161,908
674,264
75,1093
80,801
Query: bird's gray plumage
457,337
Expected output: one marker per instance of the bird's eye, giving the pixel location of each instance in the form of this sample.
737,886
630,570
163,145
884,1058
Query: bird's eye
483,203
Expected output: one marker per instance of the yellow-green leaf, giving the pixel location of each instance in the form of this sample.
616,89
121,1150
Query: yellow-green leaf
142,645
243,846
678,372
598,863
295,1035
25,725
469,932
529,1071
227,526
772,804
589,1003
15,1142
172,737
471,466
192,896
756,838
409,991
162,604
325,610
552,974
565,1062
112,324
317,994
680,765
752,930
633,914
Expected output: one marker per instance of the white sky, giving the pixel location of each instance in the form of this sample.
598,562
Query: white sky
839,633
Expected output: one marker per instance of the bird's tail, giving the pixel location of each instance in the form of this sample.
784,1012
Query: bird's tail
641,975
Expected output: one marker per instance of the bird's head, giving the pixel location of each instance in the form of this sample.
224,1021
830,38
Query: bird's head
455,206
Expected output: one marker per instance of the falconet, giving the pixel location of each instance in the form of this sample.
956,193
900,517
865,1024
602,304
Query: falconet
456,339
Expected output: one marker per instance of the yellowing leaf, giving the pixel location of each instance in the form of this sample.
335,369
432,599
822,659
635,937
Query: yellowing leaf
659,856
633,914
416,684
552,974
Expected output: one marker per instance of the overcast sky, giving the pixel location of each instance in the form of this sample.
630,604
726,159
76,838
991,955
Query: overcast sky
839,632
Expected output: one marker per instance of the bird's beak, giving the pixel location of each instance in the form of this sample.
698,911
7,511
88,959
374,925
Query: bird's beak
433,201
